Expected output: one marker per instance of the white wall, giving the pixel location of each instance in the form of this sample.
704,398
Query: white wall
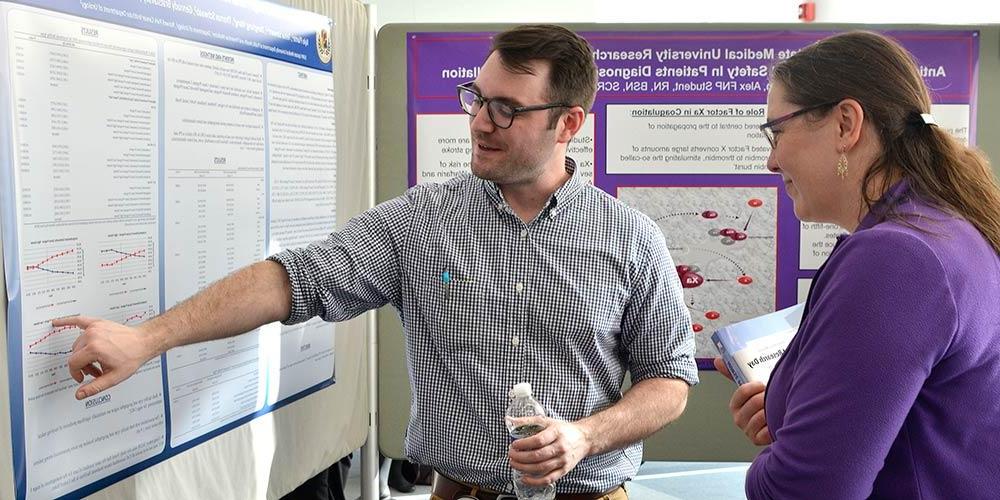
691,11
912,11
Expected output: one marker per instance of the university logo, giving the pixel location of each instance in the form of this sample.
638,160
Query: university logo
323,48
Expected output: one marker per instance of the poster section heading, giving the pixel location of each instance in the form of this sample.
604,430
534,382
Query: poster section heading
263,28
712,67
686,139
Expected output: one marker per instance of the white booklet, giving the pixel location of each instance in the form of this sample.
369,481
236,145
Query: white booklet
752,347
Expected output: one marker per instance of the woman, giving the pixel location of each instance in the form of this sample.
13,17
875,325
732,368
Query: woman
891,387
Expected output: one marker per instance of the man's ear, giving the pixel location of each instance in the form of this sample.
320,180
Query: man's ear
570,123
850,120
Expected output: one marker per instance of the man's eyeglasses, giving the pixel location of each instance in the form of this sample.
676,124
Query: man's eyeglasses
501,113
768,128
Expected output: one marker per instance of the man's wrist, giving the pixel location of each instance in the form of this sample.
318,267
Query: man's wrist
589,433
155,337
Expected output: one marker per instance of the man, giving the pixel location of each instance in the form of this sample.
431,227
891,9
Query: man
518,272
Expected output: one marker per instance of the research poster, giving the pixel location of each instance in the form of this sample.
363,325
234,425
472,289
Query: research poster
674,133
150,148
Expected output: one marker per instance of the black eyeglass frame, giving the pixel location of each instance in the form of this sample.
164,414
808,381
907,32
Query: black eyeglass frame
767,128
514,110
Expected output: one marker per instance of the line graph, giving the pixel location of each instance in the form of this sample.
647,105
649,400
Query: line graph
47,349
52,266
33,346
124,258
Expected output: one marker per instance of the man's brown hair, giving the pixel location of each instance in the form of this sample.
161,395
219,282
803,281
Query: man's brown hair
572,72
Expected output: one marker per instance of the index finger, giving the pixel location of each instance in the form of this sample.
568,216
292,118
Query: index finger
81,322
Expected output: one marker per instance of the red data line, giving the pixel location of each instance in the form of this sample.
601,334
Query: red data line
47,335
40,264
137,253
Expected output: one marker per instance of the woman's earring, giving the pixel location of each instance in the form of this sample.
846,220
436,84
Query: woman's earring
842,166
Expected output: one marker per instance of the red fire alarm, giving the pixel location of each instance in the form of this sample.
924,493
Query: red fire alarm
807,12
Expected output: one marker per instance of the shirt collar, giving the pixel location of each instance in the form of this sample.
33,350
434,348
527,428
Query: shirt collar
892,197
568,190
557,201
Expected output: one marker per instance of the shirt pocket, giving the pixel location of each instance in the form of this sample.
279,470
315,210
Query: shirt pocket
462,313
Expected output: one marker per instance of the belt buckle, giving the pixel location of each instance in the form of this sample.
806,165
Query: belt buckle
506,496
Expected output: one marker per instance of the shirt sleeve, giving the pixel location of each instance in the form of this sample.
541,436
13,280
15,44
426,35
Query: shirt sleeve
882,316
656,326
353,270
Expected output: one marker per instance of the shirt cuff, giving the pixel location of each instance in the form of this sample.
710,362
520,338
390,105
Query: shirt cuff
300,287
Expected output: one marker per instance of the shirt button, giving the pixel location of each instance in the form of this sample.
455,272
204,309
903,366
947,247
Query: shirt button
499,206
515,341
519,287
524,233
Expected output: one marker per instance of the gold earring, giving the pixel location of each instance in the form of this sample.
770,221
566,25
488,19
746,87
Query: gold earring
842,166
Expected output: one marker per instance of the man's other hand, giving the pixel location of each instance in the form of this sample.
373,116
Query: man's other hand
551,453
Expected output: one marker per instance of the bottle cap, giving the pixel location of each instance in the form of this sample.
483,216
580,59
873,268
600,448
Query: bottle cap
521,390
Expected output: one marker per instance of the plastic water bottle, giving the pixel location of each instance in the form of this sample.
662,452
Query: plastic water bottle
522,404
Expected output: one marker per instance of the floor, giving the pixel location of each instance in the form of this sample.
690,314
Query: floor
656,481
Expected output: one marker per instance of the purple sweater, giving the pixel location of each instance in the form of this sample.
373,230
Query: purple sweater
891,387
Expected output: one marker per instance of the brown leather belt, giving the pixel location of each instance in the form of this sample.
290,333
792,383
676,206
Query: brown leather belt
446,488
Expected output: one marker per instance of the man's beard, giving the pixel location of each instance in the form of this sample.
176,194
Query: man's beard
510,169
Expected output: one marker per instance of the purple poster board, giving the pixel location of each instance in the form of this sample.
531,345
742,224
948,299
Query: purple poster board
673,133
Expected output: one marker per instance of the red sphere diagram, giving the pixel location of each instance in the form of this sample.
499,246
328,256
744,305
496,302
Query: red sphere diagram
722,237
712,267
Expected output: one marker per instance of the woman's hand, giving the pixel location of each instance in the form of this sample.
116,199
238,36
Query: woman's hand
747,407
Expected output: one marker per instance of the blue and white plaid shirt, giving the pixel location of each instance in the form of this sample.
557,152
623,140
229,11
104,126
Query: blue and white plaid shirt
567,302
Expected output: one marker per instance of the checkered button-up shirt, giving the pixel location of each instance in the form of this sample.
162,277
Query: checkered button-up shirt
567,302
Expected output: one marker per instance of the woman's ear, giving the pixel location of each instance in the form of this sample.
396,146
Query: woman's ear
850,118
